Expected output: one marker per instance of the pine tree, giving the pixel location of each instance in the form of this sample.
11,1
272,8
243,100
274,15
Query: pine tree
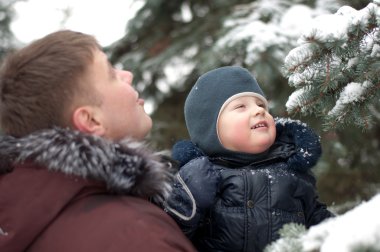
337,80
336,69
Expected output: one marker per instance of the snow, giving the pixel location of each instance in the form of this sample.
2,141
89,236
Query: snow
375,51
351,93
260,36
356,17
297,25
294,99
287,24
352,62
321,28
296,56
285,120
358,227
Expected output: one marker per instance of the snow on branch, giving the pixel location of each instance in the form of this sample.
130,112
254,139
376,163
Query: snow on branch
356,230
335,68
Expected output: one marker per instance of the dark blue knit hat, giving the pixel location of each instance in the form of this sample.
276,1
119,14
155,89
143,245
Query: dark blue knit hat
206,99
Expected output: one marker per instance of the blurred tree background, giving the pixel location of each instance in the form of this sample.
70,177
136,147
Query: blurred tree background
168,44
7,40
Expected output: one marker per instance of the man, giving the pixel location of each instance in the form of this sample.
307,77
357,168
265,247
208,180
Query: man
74,176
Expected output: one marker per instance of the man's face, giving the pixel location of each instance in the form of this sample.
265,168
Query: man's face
121,110
245,125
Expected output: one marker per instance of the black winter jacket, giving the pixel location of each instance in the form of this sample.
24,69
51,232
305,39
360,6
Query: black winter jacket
234,205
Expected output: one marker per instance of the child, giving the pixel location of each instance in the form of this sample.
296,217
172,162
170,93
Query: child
69,178
243,175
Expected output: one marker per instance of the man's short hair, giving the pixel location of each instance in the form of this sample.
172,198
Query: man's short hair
40,82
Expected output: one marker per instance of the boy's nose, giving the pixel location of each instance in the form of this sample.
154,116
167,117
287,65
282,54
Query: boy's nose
259,110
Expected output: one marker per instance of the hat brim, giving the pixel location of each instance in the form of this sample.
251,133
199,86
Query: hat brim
252,94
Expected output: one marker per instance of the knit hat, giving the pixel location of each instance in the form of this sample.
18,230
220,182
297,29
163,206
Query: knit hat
210,94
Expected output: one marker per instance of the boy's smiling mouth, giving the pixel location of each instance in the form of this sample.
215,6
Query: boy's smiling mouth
260,125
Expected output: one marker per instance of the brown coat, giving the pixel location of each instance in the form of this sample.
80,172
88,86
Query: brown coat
46,208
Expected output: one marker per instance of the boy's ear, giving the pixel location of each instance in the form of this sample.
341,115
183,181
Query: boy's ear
88,119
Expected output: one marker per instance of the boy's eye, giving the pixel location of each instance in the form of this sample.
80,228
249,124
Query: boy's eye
239,106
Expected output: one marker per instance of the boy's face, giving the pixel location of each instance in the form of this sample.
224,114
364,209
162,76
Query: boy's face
121,111
245,125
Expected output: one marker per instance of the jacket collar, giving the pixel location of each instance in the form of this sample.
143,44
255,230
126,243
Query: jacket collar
126,167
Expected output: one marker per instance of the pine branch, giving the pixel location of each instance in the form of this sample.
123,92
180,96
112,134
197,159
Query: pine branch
341,66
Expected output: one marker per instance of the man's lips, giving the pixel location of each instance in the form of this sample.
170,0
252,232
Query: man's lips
140,101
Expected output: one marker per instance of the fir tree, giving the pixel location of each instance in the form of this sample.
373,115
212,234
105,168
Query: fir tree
336,69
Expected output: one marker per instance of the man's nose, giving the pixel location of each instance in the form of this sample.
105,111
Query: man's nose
126,76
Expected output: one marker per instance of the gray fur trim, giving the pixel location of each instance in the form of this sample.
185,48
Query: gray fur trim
127,167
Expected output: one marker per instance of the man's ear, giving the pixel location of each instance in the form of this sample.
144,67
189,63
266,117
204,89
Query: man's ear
88,119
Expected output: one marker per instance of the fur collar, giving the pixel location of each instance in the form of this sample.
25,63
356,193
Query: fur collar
126,167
